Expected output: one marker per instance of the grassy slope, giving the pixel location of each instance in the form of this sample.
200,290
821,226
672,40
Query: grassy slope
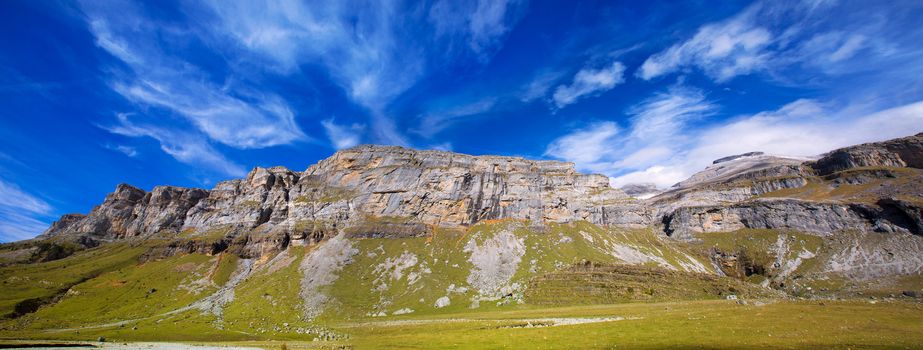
270,297
43,280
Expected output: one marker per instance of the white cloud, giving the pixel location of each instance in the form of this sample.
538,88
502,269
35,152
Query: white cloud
20,213
343,136
666,141
585,146
722,50
12,196
778,37
265,122
487,23
666,114
162,81
188,148
539,85
656,132
850,47
228,113
589,81
366,48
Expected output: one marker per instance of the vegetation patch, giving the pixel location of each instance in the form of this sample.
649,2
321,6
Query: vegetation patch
594,283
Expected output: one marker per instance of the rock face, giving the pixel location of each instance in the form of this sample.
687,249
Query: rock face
386,191
823,219
377,190
907,151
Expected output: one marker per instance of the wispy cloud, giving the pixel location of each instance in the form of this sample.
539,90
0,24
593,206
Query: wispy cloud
126,150
539,85
186,147
654,133
663,150
22,215
589,81
437,120
772,37
237,118
366,48
585,146
152,77
722,50
343,136
480,23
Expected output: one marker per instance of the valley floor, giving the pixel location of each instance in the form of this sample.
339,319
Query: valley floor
714,324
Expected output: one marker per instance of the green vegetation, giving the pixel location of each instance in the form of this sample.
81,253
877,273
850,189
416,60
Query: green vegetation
386,297
45,281
227,263
856,185
591,283
700,324
152,288
714,324
269,299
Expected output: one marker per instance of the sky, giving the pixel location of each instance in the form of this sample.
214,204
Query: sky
190,93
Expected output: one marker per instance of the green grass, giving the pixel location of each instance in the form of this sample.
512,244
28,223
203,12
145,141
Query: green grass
592,283
269,298
129,293
702,324
45,280
226,266
107,284
714,324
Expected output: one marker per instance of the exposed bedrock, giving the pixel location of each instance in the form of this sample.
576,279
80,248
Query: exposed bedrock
902,152
817,218
387,191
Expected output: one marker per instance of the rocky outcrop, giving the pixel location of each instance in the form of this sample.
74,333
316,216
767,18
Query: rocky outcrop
737,156
107,221
819,218
734,179
387,191
163,209
902,152
367,191
129,212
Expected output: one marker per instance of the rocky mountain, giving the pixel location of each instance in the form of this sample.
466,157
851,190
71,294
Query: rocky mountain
383,230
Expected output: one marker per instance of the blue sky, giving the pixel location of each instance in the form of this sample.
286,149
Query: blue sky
190,93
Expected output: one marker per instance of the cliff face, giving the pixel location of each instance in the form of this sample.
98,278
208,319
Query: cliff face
907,151
382,191
403,191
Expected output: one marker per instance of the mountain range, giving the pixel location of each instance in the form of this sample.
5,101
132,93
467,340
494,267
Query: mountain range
378,231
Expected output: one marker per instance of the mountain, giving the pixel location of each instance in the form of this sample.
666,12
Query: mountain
382,230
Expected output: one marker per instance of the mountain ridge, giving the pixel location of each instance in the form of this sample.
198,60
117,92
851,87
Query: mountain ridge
387,231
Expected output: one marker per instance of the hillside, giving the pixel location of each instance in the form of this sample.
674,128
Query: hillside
382,231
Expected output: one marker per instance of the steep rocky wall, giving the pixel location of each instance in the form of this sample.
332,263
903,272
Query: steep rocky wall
907,151
396,190
386,191
817,218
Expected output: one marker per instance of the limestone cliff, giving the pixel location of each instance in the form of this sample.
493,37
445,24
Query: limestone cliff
382,191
